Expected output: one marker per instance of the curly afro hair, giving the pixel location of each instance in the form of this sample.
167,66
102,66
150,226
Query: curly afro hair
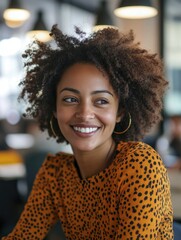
135,75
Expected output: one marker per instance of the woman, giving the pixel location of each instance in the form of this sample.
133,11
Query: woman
101,94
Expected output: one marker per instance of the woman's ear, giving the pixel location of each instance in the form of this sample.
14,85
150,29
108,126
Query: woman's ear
119,116
118,119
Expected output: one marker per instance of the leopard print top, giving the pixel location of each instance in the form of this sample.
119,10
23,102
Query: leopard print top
129,200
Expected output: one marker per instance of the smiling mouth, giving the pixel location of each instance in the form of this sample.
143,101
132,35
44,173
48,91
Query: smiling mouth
85,129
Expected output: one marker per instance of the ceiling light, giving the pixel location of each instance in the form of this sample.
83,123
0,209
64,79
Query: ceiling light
104,18
135,9
39,30
15,15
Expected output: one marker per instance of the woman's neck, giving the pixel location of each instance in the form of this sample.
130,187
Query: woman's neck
92,162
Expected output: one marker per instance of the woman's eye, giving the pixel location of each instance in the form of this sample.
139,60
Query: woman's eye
70,100
102,101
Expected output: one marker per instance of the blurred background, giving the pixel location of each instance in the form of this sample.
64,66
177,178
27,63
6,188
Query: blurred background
22,146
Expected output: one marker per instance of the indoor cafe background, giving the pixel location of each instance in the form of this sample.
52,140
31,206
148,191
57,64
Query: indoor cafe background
23,147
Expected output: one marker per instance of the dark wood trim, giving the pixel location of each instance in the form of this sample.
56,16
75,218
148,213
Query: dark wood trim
161,26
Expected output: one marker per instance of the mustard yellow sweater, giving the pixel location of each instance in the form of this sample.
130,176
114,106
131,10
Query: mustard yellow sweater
129,200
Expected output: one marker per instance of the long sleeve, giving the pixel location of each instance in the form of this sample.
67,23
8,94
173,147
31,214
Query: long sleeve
39,214
145,210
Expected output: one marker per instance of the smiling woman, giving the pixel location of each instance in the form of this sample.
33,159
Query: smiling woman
100,93
87,108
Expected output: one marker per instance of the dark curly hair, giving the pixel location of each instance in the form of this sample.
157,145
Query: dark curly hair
135,75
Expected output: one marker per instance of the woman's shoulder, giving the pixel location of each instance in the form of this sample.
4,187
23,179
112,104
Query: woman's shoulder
55,163
138,160
138,154
135,147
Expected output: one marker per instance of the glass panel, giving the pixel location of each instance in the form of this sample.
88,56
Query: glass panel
172,55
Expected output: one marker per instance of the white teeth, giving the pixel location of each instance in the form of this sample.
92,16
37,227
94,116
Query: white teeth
85,130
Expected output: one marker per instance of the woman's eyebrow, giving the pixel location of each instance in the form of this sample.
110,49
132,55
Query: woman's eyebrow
102,91
92,93
71,90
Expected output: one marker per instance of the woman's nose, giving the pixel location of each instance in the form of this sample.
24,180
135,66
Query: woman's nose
85,112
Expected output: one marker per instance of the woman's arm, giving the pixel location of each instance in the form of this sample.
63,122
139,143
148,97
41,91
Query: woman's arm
39,214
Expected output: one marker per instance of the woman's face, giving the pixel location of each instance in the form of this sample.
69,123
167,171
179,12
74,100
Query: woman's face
86,107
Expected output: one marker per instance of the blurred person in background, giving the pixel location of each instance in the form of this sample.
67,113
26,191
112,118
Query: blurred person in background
169,144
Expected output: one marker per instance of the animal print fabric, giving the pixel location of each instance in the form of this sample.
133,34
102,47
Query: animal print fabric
129,200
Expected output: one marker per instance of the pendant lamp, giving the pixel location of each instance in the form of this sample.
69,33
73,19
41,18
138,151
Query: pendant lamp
104,18
39,30
14,15
135,9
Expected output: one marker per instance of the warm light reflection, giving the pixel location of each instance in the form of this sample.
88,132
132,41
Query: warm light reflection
135,12
15,17
41,35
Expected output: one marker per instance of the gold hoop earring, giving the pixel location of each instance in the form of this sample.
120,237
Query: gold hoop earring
51,126
129,125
